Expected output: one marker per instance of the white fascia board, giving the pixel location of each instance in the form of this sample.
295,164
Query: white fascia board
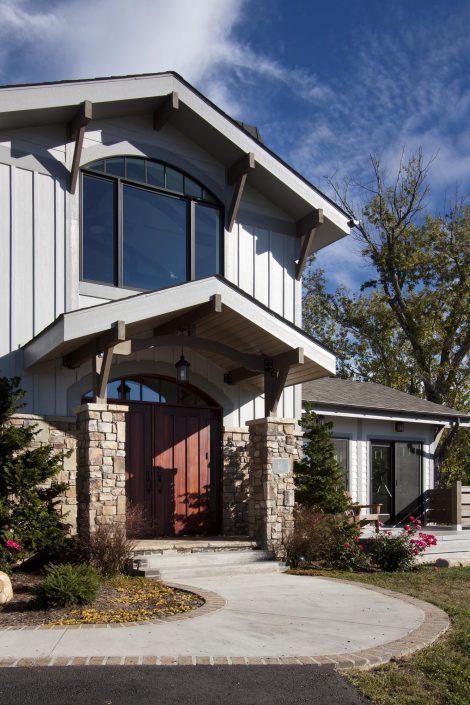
50,96
383,417
96,319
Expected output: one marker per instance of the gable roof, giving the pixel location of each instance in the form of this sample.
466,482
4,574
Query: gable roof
227,139
333,392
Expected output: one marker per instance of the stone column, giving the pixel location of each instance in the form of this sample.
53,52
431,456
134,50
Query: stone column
273,449
235,481
101,487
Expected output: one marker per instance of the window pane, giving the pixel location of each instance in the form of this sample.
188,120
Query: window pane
150,390
154,239
341,457
207,227
382,476
129,390
116,166
155,174
98,230
207,196
113,389
97,166
174,180
135,169
168,392
191,188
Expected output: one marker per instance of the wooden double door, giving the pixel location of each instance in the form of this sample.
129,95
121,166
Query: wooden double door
173,467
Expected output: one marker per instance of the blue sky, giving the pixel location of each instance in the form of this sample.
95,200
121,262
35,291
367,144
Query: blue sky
327,83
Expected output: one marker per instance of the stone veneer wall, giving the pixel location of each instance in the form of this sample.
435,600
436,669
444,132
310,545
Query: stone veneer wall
271,503
236,464
60,432
101,466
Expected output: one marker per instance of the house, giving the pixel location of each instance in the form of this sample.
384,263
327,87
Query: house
385,441
151,255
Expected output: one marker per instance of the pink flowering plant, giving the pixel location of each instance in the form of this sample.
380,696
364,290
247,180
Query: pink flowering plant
398,552
10,550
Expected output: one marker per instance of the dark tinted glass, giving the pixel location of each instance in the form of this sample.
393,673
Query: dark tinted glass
135,169
98,256
155,174
97,166
207,228
168,392
191,188
154,239
174,180
116,166
150,390
341,457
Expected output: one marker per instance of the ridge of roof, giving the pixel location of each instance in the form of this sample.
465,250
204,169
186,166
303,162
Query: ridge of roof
338,392
247,129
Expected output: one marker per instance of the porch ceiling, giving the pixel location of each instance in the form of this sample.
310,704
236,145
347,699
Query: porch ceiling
242,324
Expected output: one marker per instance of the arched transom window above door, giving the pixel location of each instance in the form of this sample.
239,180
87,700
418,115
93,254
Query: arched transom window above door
146,225
156,389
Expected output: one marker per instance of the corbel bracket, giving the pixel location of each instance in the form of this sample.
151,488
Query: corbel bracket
76,130
237,175
166,110
306,229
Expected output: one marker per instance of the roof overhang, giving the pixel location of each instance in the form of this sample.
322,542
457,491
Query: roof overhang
347,411
248,328
216,132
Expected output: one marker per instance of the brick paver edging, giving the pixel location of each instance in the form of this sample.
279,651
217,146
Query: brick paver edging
434,624
212,602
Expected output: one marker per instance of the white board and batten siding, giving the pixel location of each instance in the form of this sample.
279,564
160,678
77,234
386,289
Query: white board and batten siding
39,250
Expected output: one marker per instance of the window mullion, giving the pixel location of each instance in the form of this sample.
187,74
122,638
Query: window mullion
120,235
192,240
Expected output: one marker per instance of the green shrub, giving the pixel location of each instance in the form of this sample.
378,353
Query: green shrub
348,555
392,553
67,585
318,537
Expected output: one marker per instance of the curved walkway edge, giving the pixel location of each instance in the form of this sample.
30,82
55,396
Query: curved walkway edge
434,624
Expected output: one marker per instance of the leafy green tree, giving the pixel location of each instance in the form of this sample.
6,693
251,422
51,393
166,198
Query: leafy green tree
28,489
318,476
408,326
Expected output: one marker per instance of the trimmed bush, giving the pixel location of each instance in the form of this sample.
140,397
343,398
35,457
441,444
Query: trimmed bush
110,548
66,585
318,537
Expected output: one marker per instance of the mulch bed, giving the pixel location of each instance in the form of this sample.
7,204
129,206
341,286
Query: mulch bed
124,599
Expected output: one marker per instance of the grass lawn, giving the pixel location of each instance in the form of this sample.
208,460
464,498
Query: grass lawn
439,674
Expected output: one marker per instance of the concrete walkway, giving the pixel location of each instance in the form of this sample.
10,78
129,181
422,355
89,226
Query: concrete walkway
265,618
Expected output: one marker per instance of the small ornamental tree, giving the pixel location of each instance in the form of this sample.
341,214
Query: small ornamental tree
28,490
318,476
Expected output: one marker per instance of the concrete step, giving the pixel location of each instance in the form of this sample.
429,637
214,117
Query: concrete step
197,565
179,546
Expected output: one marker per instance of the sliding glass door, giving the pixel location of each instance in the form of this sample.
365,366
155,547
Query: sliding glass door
396,478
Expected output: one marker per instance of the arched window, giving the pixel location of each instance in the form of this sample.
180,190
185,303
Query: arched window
146,225
154,389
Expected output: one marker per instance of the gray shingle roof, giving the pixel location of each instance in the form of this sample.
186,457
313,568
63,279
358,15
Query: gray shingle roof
369,396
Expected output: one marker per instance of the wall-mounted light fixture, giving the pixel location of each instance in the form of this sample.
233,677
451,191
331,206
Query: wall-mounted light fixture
399,426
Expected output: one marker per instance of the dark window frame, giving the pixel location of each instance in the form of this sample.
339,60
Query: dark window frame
348,459
191,201
391,443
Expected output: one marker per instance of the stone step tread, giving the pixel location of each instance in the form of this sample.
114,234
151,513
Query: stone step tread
212,571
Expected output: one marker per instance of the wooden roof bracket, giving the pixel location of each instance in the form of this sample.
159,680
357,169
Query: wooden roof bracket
188,320
295,356
166,110
88,351
306,229
76,130
237,175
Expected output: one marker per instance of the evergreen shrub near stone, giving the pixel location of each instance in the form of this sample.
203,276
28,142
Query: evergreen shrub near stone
28,487
67,585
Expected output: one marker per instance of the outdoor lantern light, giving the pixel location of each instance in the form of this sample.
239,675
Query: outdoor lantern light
182,370
399,427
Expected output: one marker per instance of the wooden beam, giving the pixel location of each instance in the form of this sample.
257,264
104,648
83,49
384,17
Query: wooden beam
103,377
288,358
237,175
244,165
306,229
166,110
76,130
274,381
255,362
189,319
116,334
